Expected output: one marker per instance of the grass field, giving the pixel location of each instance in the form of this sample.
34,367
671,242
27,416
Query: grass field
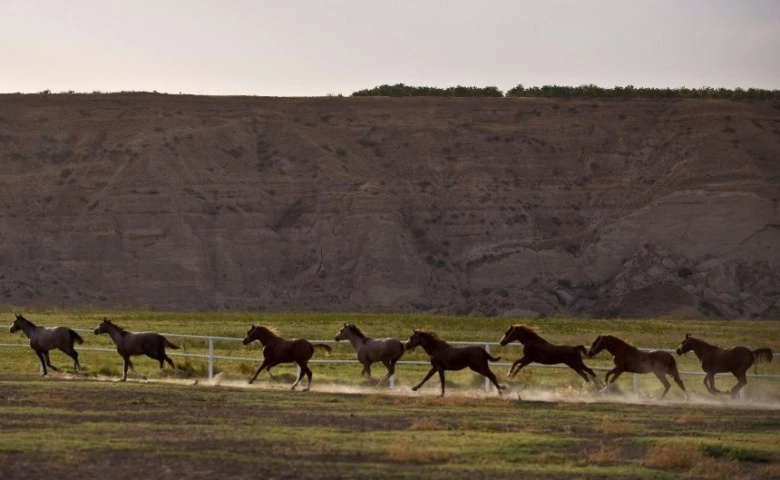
180,425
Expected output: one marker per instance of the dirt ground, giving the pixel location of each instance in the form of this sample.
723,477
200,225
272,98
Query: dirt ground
76,428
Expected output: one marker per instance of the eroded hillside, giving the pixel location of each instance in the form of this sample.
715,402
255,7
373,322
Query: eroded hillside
502,206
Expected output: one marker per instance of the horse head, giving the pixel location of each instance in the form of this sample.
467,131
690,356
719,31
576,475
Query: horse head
596,346
342,335
509,336
103,327
249,337
685,345
17,323
414,340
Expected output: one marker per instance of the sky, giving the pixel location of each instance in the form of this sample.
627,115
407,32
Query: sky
331,47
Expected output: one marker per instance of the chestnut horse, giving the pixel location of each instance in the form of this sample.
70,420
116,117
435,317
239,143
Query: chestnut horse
446,357
714,360
630,359
277,350
537,349
43,339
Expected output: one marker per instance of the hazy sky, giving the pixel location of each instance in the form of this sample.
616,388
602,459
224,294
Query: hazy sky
320,47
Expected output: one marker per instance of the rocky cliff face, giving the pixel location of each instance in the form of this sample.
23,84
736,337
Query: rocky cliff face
501,206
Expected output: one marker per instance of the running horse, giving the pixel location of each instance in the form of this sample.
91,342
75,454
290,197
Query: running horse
633,360
370,350
537,349
277,350
43,339
131,344
714,360
446,357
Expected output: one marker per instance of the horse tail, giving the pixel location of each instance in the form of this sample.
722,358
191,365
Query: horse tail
582,349
492,358
322,346
762,355
168,343
77,338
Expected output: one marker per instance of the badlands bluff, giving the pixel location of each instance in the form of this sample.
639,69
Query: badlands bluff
507,206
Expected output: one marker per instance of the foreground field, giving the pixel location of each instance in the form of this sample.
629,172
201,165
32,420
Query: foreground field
86,428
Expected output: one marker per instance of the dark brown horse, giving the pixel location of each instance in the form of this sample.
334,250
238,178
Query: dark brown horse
44,339
370,350
630,359
277,350
131,344
714,360
537,349
446,357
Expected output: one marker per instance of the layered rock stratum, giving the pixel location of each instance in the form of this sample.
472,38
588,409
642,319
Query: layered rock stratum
503,206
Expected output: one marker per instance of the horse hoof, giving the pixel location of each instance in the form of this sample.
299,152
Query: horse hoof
250,382
414,389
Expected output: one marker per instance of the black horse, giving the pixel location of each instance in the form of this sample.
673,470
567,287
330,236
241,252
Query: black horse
446,357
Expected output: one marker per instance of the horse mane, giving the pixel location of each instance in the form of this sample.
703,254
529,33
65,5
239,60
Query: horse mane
20,317
528,330
356,330
697,340
431,334
270,330
121,329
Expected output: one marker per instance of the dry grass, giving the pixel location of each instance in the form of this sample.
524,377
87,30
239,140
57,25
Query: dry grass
691,417
405,454
769,471
715,469
427,424
672,456
612,426
605,456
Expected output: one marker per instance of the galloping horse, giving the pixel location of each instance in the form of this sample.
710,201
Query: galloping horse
43,339
370,350
130,344
630,359
277,350
714,360
537,349
446,357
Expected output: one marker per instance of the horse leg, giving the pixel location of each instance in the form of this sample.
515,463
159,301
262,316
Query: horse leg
709,382
590,372
367,371
308,376
741,382
522,362
72,353
430,374
678,381
48,362
390,366
667,385
491,376
170,362
43,361
615,372
262,366
441,378
127,364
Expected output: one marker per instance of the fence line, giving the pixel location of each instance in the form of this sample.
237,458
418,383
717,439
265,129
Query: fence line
211,357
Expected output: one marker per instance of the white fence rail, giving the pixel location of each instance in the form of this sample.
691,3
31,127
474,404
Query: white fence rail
211,357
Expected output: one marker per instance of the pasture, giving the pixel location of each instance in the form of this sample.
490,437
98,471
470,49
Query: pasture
181,425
